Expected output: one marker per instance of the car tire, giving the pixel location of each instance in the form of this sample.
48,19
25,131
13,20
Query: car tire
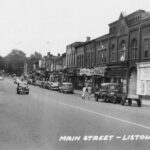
139,102
96,98
129,102
123,101
114,101
18,92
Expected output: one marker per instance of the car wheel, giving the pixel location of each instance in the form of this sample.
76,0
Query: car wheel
71,92
18,92
129,102
123,101
139,102
96,98
114,101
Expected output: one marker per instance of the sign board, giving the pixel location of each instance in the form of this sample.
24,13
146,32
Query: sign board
88,72
99,71
96,71
143,78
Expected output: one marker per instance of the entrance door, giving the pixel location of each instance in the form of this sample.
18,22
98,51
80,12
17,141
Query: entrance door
132,86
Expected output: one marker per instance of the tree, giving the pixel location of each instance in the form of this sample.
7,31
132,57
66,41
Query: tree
2,63
15,62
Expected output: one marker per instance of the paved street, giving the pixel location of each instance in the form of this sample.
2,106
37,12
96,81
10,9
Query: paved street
49,120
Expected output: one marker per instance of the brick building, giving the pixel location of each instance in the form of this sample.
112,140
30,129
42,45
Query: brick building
113,57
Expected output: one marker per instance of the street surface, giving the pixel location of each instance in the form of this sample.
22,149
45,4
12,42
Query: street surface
49,120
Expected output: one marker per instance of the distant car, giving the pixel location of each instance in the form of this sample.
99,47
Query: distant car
48,85
66,87
55,86
22,87
37,83
42,84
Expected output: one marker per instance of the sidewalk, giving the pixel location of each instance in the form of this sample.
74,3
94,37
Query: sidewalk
79,93
144,102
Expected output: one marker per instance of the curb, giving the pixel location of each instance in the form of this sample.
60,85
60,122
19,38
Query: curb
144,102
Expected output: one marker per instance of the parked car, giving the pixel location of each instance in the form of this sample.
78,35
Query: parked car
42,84
66,87
37,83
22,87
109,92
54,86
48,85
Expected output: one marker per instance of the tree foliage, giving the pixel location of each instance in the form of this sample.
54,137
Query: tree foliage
14,62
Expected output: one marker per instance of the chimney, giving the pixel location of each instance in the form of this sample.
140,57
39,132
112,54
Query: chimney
88,38
58,54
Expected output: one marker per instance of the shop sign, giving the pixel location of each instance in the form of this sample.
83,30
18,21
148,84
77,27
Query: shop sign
99,71
143,78
88,72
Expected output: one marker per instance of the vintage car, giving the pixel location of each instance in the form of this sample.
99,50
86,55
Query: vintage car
66,87
54,86
109,92
22,87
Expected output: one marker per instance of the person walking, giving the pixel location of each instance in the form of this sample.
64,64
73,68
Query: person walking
84,91
89,92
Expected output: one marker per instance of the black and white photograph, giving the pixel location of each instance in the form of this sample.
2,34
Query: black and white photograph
74,75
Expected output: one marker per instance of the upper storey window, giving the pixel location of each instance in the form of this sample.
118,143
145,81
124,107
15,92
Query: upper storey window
122,50
146,48
112,53
133,49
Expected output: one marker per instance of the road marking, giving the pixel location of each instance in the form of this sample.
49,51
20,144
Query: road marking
104,115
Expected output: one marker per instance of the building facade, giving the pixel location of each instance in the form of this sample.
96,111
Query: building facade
114,57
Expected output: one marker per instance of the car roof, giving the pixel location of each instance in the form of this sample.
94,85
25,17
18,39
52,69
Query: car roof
109,84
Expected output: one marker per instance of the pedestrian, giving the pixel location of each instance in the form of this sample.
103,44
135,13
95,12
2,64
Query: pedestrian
84,91
89,92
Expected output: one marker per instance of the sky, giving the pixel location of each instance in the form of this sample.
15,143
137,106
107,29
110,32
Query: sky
50,25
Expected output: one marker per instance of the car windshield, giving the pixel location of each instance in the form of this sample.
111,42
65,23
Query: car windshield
113,87
23,84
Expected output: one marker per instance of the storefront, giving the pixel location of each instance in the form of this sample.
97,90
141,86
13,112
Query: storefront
99,77
93,77
117,74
